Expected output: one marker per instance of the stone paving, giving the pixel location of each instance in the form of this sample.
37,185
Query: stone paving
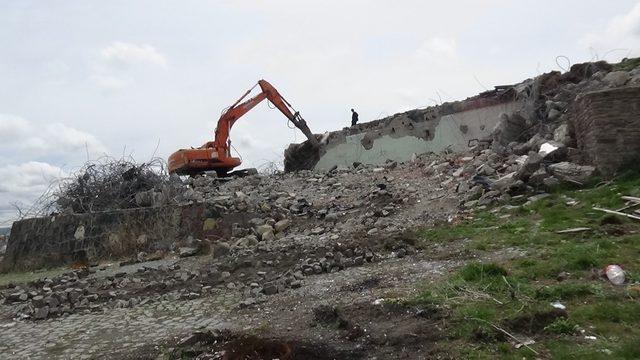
84,336
123,331
95,335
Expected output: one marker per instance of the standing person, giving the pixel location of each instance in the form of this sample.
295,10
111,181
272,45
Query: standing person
354,117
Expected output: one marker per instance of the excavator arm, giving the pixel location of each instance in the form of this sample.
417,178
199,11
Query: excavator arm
216,155
237,110
283,105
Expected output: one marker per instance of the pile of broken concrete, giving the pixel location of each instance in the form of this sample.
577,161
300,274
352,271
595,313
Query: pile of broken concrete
535,150
488,178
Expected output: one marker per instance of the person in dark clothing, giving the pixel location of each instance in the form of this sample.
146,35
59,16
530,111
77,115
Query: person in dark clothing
354,117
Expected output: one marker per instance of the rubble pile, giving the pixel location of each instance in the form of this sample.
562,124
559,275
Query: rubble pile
327,207
535,150
301,225
529,153
89,290
305,223
254,272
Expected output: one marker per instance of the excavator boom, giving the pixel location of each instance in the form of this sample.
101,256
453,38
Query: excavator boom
216,155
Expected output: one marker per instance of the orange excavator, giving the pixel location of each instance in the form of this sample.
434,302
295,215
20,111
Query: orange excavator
216,155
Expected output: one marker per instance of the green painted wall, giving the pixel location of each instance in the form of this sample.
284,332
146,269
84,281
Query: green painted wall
448,134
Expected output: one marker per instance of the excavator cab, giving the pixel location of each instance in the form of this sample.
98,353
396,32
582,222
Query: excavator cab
216,155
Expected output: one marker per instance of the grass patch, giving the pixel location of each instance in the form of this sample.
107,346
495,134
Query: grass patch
628,350
27,276
621,311
561,327
479,272
558,267
567,291
627,64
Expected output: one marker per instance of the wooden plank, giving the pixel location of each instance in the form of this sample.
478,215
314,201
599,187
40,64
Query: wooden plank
617,213
574,230
628,207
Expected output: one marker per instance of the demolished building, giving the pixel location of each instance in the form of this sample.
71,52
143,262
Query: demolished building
518,140
592,110
451,127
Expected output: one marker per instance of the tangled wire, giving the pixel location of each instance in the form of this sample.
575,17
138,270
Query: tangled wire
109,184
102,185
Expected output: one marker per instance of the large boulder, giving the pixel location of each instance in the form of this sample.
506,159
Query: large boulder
553,151
268,236
505,182
561,133
261,230
302,156
187,251
529,167
510,128
570,172
532,144
579,72
616,78
538,177
282,225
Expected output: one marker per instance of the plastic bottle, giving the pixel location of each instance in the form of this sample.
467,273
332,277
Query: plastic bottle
615,274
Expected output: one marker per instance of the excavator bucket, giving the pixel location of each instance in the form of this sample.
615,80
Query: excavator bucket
302,156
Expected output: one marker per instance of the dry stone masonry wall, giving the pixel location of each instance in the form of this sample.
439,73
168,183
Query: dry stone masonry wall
80,238
607,128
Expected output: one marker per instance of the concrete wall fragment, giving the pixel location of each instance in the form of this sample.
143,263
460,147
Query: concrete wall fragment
403,136
452,126
449,127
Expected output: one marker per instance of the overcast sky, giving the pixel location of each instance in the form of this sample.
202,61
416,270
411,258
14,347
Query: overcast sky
79,79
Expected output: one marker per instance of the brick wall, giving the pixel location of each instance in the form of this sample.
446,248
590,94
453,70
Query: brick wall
607,128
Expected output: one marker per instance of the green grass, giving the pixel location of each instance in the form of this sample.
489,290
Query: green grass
27,276
619,311
557,267
567,291
479,272
627,64
561,327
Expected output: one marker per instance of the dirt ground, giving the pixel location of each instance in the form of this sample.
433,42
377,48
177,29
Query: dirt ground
347,314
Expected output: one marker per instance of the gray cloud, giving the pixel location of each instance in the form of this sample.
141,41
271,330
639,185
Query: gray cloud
28,179
22,184
116,63
121,53
620,37
22,179
19,137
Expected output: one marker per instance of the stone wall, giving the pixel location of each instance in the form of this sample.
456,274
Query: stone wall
67,239
3,245
607,128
